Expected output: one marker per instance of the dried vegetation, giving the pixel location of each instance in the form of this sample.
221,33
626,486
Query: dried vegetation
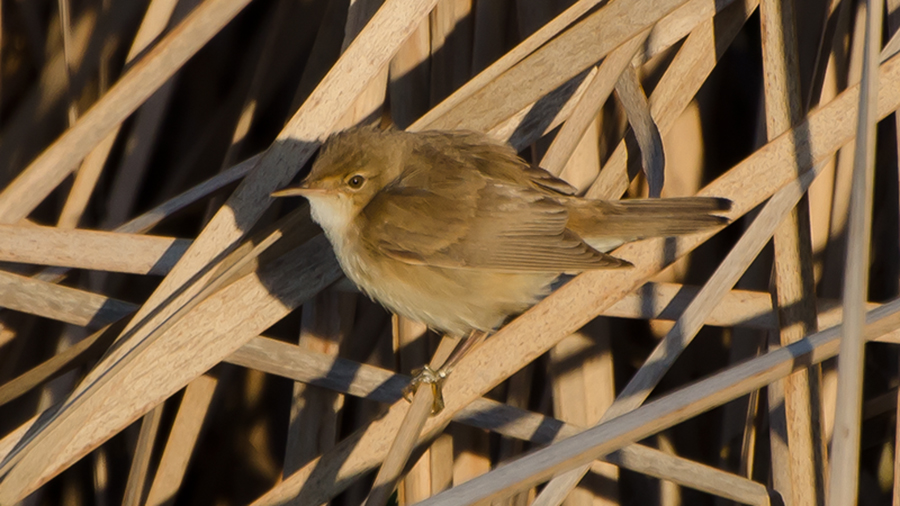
170,335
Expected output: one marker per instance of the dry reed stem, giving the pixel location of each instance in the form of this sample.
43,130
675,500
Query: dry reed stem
691,321
140,464
890,49
652,301
634,101
84,249
24,193
662,35
795,438
507,61
183,437
582,392
70,305
363,380
843,487
235,283
555,63
410,428
521,130
843,66
558,60
662,413
74,356
314,416
409,343
688,71
588,105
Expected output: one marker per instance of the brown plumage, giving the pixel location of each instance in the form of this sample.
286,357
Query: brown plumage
456,231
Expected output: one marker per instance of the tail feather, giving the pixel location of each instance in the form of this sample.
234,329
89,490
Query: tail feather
607,224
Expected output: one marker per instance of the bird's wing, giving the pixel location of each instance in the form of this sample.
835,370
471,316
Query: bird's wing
438,218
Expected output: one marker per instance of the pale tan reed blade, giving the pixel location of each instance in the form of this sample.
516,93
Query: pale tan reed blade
843,487
579,301
893,20
140,464
662,413
408,433
21,196
525,126
691,321
61,303
182,439
368,105
90,249
797,447
234,283
558,60
588,106
540,118
410,345
634,101
738,308
518,86
87,309
155,20
508,60
151,218
690,68
89,348
891,48
380,385
896,501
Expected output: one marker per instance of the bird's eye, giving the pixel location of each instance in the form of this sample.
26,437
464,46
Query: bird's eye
356,182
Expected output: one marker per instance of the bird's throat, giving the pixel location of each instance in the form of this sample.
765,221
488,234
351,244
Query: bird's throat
334,213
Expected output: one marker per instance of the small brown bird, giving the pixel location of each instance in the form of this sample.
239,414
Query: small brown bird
454,230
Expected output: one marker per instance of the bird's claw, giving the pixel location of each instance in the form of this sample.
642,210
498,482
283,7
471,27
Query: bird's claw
434,378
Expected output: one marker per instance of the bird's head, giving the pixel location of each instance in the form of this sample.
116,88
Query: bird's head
352,167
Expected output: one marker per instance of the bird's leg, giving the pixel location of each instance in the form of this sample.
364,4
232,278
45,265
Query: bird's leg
435,376
467,344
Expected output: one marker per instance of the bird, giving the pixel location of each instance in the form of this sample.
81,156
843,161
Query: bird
454,230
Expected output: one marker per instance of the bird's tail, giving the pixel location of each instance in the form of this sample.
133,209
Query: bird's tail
607,224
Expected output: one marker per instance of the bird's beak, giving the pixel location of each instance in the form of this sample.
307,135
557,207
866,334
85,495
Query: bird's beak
302,190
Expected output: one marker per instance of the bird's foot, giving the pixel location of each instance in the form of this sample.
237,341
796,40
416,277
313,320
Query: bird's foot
434,378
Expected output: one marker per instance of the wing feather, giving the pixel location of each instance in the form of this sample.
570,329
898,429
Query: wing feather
476,222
